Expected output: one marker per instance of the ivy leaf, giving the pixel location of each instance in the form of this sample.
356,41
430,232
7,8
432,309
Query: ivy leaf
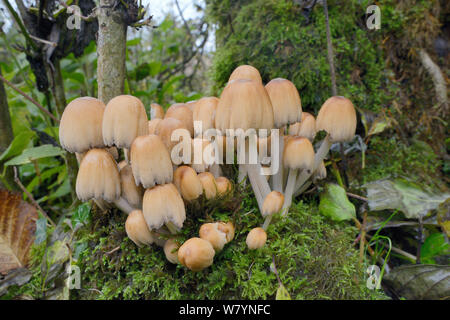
335,204
282,293
31,154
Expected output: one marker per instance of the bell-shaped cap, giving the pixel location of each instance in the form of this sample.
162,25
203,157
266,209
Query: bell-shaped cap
209,184
183,113
298,153
205,112
165,128
188,183
152,125
156,111
223,185
131,191
137,229
203,154
245,72
256,238
286,103
171,251
163,204
80,128
150,161
217,233
124,120
196,254
272,203
306,128
98,177
337,116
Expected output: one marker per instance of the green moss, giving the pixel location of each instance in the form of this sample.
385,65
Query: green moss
314,257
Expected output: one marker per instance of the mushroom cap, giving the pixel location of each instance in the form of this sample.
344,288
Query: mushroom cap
245,72
306,128
191,104
209,184
205,111
80,128
130,191
244,104
337,116
165,128
156,111
163,204
137,229
196,254
286,102
183,113
203,154
150,161
272,203
124,120
188,183
98,177
223,186
256,238
211,233
298,153
152,125
171,251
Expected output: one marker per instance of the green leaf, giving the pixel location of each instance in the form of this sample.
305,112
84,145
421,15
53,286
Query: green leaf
434,245
402,195
20,142
31,154
282,293
335,204
41,230
81,215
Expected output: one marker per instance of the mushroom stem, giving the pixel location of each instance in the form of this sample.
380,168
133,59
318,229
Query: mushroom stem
123,205
172,228
289,190
318,158
255,185
126,154
242,174
277,179
267,222
303,188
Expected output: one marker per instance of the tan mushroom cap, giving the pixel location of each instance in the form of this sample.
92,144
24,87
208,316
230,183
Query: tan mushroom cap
163,204
156,111
196,254
223,185
137,229
337,116
171,251
130,191
205,112
306,128
98,177
150,161
191,104
272,203
124,120
203,154
217,233
165,128
245,72
80,128
188,183
286,102
209,184
298,153
152,125
244,104
256,238
183,113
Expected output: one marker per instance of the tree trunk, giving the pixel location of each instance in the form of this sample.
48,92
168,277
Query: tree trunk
6,136
111,51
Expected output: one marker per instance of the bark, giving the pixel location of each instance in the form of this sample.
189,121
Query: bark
6,136
111,51
330,51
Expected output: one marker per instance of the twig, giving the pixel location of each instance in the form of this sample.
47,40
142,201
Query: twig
30,196
113,250
37,104
352,195
397,250
19,22
53,44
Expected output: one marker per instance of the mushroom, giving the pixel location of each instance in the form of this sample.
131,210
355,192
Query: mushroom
272,205
131,191
183,113
191,104
204,154
150,161
287,109
209,184
217,233
196,254
152,125
80,128
245,72
223,186
165,128
306,128
337,117
171,251
188,183
163,205
137,229
205,113
156,111
256,238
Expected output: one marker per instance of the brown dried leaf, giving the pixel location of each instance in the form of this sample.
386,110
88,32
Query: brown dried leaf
17,230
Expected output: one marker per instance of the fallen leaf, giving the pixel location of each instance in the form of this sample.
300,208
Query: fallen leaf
335,204
282,293
17,229
443,216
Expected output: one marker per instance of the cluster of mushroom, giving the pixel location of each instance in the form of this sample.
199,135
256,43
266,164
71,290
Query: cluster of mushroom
157,176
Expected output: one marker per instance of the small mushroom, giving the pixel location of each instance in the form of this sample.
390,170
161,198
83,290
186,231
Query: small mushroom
152,125
137,229
196,254
171,251
245,72
131,191
188,183
156,111
256,238
272,204
205,112
209,184
223,185
183,113
217,233
306,128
